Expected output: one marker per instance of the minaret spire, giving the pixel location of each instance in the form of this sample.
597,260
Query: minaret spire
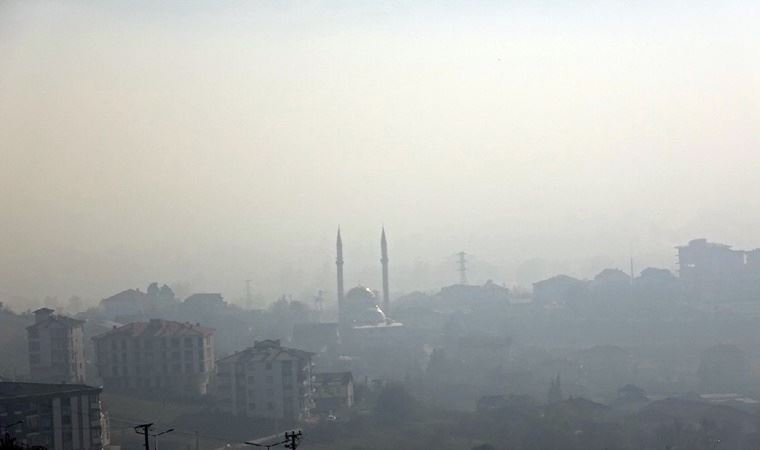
384,261
339,264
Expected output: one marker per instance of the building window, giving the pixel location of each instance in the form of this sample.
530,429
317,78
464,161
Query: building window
269,379
34,359
270,406
34,346
269,366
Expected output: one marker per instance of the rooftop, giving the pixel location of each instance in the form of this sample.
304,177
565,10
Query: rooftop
158,328
333,377
45,316
267,350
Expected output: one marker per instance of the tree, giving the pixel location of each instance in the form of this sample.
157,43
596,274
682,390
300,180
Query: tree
395,405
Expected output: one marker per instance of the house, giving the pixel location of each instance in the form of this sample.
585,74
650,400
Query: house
333,391
126,303
556,290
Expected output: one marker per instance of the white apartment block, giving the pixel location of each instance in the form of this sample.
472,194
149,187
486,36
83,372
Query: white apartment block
265,381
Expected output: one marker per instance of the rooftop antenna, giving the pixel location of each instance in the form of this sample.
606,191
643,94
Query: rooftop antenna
462,267
248,298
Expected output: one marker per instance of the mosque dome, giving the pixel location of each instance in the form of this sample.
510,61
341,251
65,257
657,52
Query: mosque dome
362,294
361,307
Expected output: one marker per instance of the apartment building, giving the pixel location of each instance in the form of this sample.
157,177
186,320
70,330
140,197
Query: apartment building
54,416
56,348
265,381
159,355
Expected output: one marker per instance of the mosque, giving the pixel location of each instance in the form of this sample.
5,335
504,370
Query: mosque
360,306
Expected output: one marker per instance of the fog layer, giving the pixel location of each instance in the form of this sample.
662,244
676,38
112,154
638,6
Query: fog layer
207,144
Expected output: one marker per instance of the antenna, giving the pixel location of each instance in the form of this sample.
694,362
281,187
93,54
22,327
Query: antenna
462,267
248,299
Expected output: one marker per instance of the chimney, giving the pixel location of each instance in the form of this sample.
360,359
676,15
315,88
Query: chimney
42,314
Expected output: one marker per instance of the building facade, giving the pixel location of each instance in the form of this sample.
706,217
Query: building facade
333,391
159,355
56,348
55,416
265,381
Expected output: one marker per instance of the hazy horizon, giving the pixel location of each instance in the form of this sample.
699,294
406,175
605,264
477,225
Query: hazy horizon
191,143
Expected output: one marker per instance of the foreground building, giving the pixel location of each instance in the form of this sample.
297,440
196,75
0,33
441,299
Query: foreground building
56,348
265,381
159,355
55,416
333,391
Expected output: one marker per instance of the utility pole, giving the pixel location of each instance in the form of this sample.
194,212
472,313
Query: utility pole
145,432
292,439
462,267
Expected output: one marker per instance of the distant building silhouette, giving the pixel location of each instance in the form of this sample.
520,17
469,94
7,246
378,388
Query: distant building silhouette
711,271
557,290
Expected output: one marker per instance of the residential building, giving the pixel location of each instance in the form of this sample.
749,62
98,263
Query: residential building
54,416
158,355
710,271
126,303
56,348
265,381
333,391
557,290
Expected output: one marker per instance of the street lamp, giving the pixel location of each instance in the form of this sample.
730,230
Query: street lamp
155,437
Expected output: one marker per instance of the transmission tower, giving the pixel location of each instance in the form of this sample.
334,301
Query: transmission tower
462,267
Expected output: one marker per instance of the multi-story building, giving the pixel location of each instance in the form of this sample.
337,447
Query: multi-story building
158,355
711,271
266,381
54,416
56,348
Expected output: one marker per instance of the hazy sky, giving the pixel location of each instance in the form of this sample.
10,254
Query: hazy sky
210,142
